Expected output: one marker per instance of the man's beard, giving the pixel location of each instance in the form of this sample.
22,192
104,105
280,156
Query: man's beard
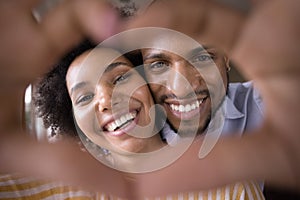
195,130
189,131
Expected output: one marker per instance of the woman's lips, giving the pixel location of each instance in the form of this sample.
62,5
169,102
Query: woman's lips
120,122
123,124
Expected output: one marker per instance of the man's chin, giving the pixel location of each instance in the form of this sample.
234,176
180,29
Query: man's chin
190,131
187,129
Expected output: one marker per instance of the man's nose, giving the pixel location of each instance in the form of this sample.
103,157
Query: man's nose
183,79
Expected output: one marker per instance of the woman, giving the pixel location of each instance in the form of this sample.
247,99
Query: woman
62,92
113,107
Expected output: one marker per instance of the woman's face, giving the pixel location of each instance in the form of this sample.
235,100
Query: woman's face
111,101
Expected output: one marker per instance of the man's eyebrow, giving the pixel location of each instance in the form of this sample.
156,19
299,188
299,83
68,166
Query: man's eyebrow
159,55
111,66
78,86
197,50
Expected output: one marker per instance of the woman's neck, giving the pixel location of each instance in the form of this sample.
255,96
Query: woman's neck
129,161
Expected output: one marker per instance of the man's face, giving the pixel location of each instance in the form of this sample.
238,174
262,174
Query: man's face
190,89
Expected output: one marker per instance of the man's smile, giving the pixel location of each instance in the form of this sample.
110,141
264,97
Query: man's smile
187,109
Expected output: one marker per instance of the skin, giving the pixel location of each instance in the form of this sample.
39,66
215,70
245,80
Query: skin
265,46
207,21
119,91
188,81
46,44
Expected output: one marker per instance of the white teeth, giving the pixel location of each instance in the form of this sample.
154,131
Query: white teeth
172,106
187,107
121,121
118,122
181,108
193,106
112,126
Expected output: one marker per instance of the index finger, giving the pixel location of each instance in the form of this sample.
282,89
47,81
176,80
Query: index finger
71,20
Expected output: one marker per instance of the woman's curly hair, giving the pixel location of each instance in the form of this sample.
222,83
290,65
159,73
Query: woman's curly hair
51,96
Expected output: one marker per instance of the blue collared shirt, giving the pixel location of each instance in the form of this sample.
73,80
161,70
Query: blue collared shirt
242,110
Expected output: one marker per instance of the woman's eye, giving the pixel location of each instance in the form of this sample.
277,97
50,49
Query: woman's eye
158,66
84,99
122,78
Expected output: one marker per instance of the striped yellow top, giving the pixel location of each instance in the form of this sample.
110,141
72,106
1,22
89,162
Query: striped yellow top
17,187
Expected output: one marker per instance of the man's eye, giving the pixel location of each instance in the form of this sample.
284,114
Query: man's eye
85,99
158,66
205,58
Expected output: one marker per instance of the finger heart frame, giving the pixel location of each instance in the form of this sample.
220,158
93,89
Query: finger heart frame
43,8
85,117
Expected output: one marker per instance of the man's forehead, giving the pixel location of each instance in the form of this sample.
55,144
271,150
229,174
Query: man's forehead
174,44
149,52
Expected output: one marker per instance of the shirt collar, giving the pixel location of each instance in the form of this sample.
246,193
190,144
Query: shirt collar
231,112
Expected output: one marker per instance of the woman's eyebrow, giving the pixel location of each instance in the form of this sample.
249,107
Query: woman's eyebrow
78,86
109,68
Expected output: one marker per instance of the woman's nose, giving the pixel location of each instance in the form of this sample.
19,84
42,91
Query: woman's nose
107,98
103,97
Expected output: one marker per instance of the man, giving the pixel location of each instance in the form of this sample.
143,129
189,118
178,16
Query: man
190,82
257,39
193,107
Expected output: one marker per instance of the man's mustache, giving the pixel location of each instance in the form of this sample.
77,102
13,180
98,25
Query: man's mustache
190,95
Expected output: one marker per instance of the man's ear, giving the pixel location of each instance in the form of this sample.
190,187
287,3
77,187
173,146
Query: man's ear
227,63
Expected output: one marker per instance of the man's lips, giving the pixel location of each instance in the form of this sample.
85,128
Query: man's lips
185,110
